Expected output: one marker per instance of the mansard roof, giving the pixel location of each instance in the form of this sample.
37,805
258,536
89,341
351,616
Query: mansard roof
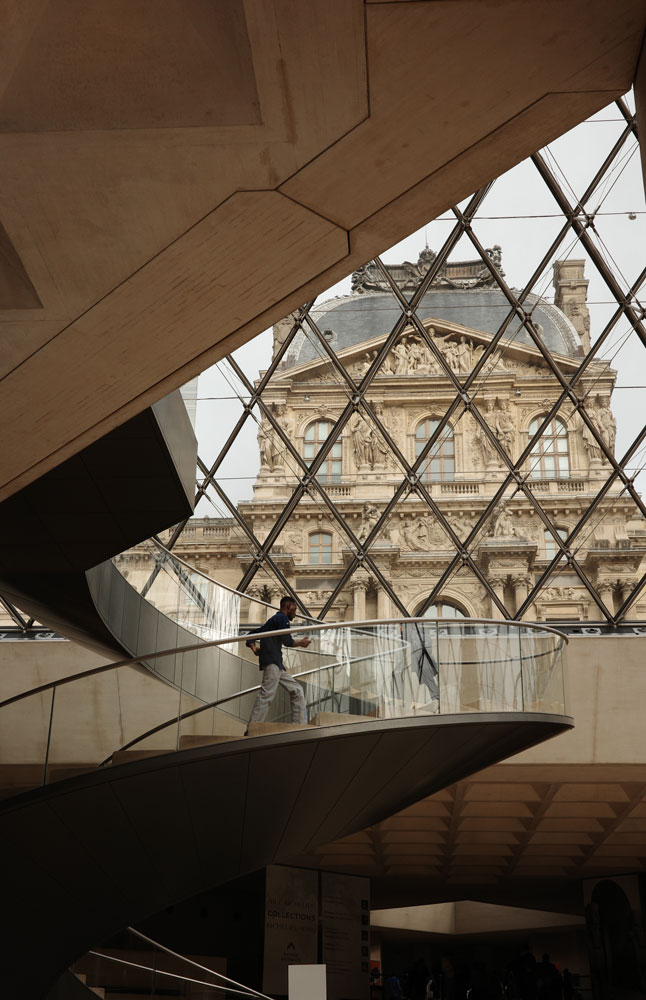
463,293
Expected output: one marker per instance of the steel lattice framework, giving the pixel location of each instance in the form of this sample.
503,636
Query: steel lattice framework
573,392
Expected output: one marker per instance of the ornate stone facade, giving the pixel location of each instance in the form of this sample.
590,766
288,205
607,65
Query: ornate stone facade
412,389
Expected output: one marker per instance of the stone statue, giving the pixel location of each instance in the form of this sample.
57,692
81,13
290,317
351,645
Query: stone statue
452,355
362,446
505,427
364,365
415,354
488,448
361,278
605,423
494,254
590,442
400,355
502,525
579,315
282,330
380,451
369,517
464,355
268,445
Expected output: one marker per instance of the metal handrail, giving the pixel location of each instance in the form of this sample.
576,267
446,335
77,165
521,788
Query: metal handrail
191,961
173,975
176,719
297,629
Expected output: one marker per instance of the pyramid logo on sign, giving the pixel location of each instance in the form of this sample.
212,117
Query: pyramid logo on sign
292,946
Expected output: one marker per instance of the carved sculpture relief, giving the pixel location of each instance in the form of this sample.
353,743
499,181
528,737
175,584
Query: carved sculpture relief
369,517
462,525
452,274
294,541
502,524
558,593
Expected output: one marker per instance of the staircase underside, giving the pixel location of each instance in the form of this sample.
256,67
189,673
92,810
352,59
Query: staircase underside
92,854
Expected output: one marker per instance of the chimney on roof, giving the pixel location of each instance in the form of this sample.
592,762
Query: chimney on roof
570,295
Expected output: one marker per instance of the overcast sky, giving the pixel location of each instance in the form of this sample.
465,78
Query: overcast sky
519,214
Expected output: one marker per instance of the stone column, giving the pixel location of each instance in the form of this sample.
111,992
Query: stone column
605,589
498,587
383,604
275,595
256,611
521,586
359,588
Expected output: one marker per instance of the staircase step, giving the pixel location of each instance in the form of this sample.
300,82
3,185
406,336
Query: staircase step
338,718
195,740
267,728
82,978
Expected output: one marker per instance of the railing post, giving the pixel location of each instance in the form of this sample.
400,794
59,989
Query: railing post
439,683
520,661
49,735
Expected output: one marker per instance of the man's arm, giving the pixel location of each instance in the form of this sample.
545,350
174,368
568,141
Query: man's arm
251,643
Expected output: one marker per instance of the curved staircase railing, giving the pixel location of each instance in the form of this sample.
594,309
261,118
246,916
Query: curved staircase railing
151,600
386,669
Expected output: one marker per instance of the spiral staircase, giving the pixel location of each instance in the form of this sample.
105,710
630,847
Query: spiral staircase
106,825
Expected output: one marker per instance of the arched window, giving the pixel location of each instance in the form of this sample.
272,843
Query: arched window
315,435
445,610
550,542
549,458
440,462
320,547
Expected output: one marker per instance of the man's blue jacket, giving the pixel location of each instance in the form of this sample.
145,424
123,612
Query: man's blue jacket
271,649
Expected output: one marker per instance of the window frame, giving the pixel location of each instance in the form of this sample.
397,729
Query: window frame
550,547
441,604
540,455
440,453
328,472
319,549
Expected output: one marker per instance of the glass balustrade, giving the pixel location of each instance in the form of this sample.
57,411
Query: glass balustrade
394,669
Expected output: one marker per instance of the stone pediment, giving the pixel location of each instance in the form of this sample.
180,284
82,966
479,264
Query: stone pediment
411,355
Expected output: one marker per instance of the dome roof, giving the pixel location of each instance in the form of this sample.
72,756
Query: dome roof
363,315
463,292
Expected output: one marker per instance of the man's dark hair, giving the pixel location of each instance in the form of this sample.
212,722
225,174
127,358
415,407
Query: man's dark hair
284,601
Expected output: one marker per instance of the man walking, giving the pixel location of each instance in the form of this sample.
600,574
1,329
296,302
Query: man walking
270,654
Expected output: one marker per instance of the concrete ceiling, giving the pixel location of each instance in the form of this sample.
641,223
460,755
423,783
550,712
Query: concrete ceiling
170,185
512,832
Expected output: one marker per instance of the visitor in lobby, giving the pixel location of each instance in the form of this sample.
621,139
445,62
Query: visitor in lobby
270,660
